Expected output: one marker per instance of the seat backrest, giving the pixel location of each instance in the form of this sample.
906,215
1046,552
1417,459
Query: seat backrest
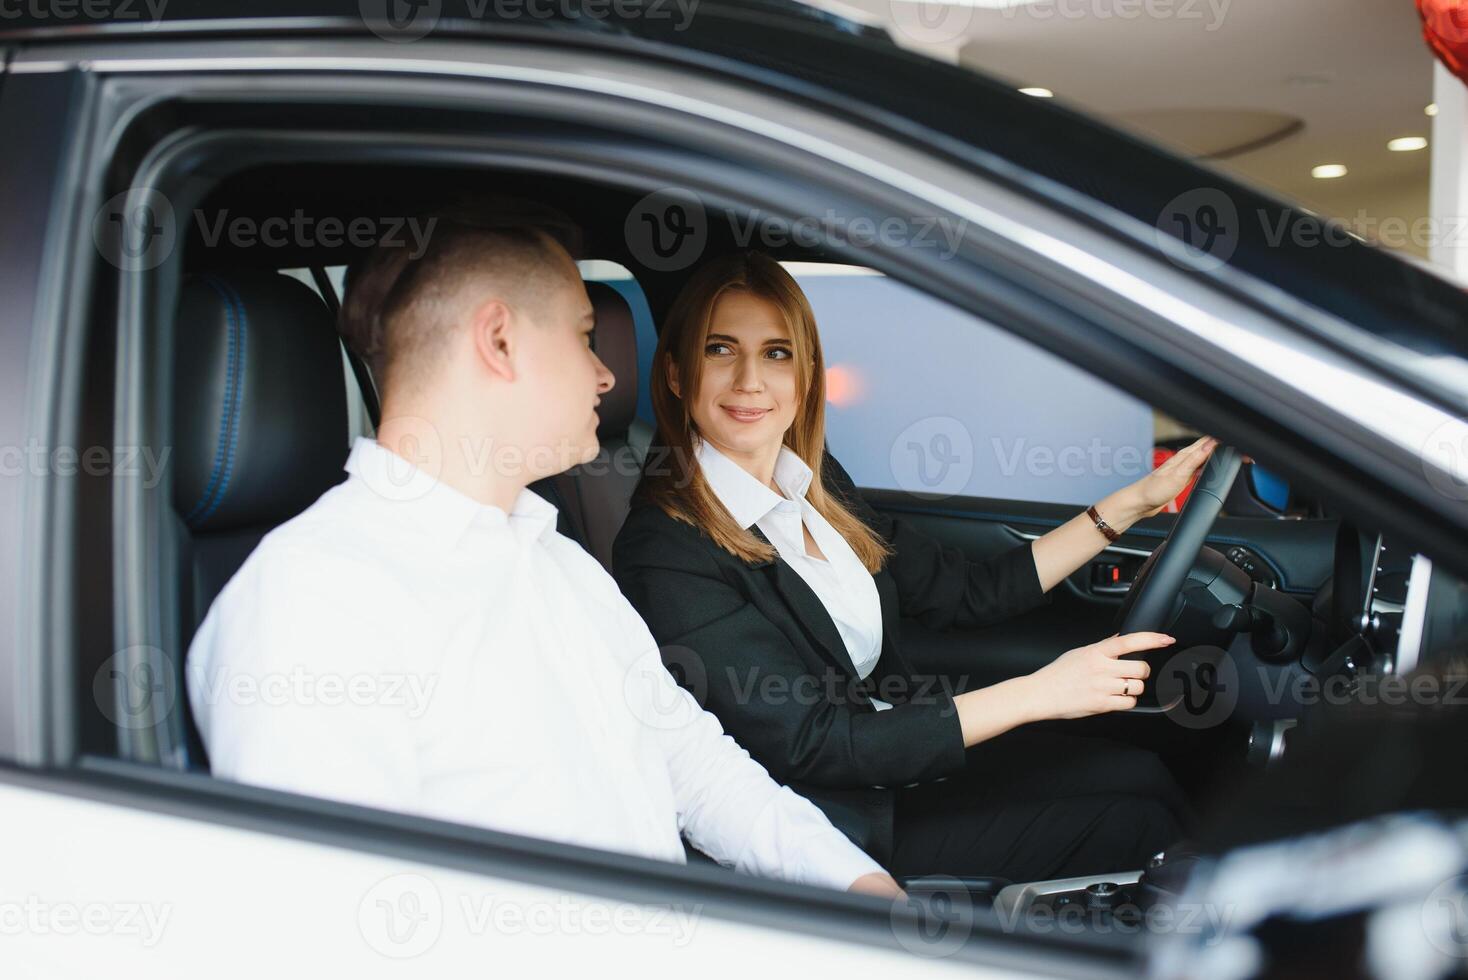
595,496
259,425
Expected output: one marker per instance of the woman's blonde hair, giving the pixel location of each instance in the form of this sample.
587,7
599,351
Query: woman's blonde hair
676,483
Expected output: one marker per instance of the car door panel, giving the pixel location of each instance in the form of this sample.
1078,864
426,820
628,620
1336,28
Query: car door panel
192,888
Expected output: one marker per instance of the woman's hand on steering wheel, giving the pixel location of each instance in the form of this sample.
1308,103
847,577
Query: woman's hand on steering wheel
1163,485
1096,678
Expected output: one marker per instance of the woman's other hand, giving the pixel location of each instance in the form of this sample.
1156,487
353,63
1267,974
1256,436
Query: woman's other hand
1094,679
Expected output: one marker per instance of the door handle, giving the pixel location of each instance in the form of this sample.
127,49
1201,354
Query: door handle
1113,576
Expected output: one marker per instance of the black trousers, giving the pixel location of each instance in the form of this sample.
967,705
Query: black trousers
1034,804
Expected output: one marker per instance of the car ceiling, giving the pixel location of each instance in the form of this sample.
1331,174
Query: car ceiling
383,193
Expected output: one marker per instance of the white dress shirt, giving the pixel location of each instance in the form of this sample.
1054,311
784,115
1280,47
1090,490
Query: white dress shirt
840,580
402,646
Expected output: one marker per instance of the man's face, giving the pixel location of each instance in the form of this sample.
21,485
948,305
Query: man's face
563,376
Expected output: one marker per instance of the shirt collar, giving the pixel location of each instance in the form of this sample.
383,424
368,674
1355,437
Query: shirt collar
746,499
442,511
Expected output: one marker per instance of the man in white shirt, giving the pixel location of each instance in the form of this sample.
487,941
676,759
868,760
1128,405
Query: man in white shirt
421,639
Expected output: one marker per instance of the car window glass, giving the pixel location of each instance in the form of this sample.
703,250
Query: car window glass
620,278
359,423
923,397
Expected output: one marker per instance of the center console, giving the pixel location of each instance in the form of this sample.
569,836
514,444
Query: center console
1097,896
1122,901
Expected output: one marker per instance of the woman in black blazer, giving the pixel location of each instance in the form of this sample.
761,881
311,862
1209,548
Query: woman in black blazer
776,593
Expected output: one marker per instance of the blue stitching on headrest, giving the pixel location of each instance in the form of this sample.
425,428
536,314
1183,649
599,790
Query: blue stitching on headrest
239,398
218,467
229,412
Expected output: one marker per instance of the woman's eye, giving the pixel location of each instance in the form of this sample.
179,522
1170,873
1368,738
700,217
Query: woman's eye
713,349
779,354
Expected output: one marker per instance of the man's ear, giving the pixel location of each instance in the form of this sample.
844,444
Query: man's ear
672,370
492,329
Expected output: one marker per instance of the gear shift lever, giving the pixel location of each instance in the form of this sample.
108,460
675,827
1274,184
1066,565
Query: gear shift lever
1167,874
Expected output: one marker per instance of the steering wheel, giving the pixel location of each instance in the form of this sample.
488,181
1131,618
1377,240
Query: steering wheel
1149,604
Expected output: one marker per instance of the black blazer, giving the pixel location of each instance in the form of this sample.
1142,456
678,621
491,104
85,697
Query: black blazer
756,646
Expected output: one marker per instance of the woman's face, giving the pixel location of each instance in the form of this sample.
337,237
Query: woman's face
747,396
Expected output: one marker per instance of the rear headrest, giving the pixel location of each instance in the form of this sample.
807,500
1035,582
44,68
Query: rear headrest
616,345
259,407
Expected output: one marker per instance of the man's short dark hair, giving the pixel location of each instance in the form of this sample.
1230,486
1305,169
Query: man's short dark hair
399,300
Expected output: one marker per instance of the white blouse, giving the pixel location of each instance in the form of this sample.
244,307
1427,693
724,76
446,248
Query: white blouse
840,581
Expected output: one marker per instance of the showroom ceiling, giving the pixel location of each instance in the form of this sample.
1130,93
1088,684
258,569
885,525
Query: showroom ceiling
1264,88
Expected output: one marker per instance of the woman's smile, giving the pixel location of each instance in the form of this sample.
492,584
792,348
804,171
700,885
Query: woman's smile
741,414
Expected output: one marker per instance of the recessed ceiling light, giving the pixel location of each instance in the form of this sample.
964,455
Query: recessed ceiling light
1430,109
1037,92
1328,171
1406,144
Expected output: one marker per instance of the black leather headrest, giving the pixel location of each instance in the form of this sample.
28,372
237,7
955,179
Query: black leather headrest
259,407
616,345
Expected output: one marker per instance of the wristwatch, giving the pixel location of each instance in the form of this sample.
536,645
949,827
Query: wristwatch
1101,525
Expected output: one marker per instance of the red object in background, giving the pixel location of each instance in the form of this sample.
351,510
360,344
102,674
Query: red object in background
1445,28
844,386
1160,455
